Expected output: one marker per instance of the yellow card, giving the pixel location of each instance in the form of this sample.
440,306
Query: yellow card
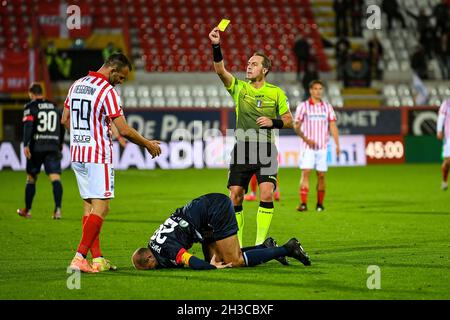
223,24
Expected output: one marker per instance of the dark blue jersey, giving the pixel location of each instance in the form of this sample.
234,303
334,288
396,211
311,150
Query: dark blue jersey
42,126
206,218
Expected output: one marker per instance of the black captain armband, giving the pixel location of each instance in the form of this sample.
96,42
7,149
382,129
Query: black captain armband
217,52
277,123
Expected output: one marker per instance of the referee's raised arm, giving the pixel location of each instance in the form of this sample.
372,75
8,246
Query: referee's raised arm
219,67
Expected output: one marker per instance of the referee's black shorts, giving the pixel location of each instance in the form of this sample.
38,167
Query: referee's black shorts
50,159
249,158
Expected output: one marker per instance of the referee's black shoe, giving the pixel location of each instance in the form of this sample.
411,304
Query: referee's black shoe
296,251
271,243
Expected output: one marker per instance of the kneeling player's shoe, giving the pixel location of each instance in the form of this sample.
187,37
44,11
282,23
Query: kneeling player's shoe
271,243
250,197
101,264
24,213
276,195
81,264
57,215
302,207
296,251
319,208
444,185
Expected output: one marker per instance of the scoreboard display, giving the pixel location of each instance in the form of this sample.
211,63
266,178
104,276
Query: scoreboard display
385,149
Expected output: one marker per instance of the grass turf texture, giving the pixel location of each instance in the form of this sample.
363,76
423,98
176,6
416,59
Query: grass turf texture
395,217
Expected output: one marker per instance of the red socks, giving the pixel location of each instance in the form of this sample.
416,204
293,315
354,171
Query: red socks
95,248
320,196
304,194
445,174
91,230
253,184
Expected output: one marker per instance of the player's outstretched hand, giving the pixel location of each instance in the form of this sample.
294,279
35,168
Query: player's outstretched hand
153,148
214,36
264,122
219,264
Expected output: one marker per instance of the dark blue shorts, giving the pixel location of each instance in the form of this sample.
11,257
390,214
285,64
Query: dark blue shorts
50,159
213,215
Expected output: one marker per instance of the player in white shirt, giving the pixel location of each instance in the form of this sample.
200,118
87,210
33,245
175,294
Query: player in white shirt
91,106
314,120
443,133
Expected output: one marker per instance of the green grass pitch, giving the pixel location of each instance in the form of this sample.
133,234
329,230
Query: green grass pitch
395,217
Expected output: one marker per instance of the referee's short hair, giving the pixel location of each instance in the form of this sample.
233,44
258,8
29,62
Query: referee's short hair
267,63
118,60
312,83
36,89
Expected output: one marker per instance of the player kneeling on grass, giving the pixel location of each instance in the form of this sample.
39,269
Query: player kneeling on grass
210,220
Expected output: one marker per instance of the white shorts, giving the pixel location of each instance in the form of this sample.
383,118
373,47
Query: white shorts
446,148
314,159
95,180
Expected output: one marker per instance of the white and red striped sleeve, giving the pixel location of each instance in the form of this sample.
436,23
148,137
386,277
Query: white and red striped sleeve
300,112
113,104
331,113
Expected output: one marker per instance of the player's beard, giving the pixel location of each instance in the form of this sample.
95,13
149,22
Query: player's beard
110,80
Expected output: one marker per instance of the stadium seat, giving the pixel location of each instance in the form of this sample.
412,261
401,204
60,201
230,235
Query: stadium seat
131,102
184,91
211,91
393,102
228,102
389,91
200,102
214,102
145,102
403,90
159,102
198,91
337,102
170,91
156,91
435,101
186,102
172,102
444,90
407,101
143,92
334,90
129,91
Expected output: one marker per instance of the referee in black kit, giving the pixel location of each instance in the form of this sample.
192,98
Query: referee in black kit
43,137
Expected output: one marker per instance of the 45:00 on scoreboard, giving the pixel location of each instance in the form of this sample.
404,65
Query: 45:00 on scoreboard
385,149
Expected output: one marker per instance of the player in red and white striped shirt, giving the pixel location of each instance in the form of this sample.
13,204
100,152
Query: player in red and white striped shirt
443,133
314,120
92,105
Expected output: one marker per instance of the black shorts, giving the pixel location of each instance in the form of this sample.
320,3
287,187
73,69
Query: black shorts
213,216
50,159
253,158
